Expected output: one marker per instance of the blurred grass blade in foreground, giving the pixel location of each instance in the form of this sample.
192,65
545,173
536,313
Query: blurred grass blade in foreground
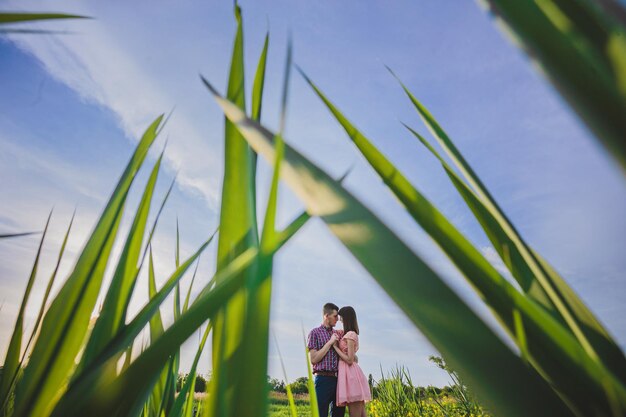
536,277
238,232
581,47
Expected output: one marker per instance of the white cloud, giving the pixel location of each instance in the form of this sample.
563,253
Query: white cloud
101,70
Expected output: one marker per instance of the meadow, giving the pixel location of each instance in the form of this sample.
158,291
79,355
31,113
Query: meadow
559,360
394,394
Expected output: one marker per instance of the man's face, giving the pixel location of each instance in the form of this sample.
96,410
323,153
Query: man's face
332,318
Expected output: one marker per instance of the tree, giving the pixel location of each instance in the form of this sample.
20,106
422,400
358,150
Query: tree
300,385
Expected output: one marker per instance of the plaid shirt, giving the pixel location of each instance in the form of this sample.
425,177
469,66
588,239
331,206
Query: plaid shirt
318,337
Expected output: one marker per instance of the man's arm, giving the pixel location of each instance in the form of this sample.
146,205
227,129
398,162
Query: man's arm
317,355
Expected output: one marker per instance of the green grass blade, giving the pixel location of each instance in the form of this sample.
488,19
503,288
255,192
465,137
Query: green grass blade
126,395
177,260
257,101
51,282
259,81
310,383
128,358
558,296
156,221
501,240
188,296
65,323
172,376
609,352
156,322
30,17
177,292
284,235
150,312
61,363
499,378
238,232
255,345
553,349
113,314
11,364
581,48
156,330
292,403
188,410
42,307
170,385
296,224
497,235
182,402
268,237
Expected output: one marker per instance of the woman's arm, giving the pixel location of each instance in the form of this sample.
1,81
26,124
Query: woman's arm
349,357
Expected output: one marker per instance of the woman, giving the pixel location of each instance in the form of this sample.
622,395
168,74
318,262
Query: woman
352,386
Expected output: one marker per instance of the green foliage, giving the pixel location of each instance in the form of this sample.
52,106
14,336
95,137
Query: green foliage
463,398
276,385
300,385
395,395
200,384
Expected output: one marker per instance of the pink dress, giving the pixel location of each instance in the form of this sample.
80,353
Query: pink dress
352,385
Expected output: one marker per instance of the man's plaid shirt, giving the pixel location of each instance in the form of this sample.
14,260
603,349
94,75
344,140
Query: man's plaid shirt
318,337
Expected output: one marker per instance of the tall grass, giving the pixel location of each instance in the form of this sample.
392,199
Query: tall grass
73,369
396,395
564,362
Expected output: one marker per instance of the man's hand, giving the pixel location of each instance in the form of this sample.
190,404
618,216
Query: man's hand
317,355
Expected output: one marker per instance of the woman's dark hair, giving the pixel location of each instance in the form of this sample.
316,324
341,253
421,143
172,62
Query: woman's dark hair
348,315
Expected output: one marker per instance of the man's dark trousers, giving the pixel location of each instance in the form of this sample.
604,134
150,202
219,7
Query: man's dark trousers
326,391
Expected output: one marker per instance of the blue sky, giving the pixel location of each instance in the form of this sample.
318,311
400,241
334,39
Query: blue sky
74,104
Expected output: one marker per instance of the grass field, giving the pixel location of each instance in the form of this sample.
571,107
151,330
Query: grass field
279,405
443,407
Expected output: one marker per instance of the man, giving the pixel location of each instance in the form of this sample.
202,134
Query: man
326,361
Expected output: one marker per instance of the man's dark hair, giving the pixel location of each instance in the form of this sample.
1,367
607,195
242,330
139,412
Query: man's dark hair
350,323
329,308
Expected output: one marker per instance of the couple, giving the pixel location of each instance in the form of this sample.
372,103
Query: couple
339,380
